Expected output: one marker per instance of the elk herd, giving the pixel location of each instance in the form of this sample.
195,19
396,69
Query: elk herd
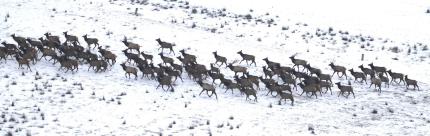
277,79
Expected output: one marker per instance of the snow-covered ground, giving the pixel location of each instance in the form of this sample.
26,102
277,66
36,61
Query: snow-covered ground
107,103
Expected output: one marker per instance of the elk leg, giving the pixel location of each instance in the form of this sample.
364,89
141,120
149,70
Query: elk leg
202,92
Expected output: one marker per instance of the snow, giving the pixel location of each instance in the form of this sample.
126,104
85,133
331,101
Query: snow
81,103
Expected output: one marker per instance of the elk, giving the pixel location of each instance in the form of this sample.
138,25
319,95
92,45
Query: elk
166,59
9,46
268,73
376,82
410,82
285,96
146,71
70,38
164,80
131,45
19,40
358,75
90,41
237,69
338,69
208,88
165,45
395,76
48,52
312,70
22,61
192,58
248,92
344,89
309,89
51,38
247,57
130,56
147,56
384,79
366,71
271,63
324,77
378,69
108,55
298,62
129,70
219,58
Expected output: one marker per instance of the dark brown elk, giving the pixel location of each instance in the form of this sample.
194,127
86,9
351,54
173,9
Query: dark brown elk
325,77
9,46
36,44
271,63
344,89
146,72
219,58
358,75
313,89
247,57
129,70
91,41
298,62
237,69
312,70
244,83
48,52
188,56
410,82
3,53
214,69
289,80
51,38
375,81
248,92
268,73
48,44
384,79
395,76
147,56
208,88
215,76
326,85
164,80
130,56
366,71
130,45
253,79
166,60
165,45
22,61
71,38
338,69
20,40
378,69
285,96
108,55
69,64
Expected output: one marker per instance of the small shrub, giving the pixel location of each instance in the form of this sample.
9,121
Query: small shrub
194,11
374,111
395,49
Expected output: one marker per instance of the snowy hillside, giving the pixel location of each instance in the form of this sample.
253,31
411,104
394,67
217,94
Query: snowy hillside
50,101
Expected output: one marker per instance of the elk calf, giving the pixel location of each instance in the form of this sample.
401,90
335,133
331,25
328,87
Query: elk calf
411,82
90,41
247,57
129,70
338,69
344,89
